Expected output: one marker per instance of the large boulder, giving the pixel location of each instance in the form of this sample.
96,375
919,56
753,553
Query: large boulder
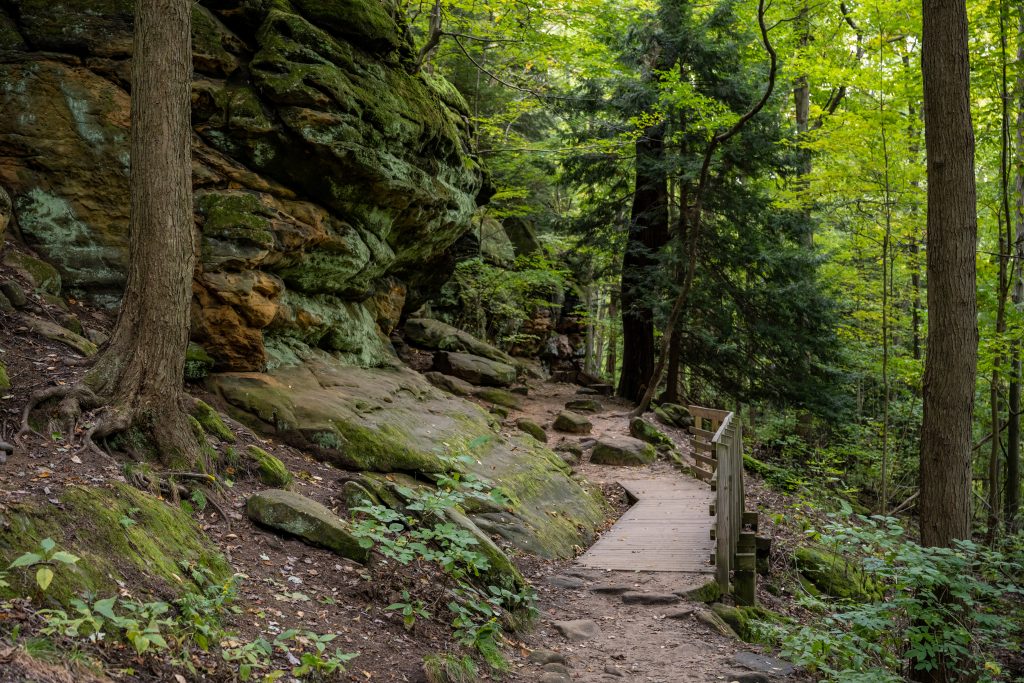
392,420
475,369
327,170
296,515
622,450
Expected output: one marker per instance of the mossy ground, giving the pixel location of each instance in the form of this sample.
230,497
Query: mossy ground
122,535
447,668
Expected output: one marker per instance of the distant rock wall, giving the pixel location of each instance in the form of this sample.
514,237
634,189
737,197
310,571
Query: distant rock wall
327,174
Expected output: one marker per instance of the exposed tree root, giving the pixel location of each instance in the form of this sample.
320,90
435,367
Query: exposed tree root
74,399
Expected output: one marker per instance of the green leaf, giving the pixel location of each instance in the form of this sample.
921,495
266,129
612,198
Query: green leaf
105,607
47,544
44,576
26,560
64,557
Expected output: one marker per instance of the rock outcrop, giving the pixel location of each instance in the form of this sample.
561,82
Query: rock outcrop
325,166
395,421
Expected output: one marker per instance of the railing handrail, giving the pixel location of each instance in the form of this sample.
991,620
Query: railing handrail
726,479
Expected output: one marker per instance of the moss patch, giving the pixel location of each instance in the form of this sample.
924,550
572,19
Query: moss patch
198,363
499,397
5,381
836,576
269,469
446,668
743,620
121,534
211,422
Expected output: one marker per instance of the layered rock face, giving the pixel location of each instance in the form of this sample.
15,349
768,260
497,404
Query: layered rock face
325,169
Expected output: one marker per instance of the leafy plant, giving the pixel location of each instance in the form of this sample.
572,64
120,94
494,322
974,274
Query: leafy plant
431,538
951,605
47,557
410,609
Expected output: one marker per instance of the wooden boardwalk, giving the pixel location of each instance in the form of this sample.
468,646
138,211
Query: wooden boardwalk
667,530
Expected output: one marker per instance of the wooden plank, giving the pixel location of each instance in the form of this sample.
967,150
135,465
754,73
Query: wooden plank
666,530
702,446
702,433
707,463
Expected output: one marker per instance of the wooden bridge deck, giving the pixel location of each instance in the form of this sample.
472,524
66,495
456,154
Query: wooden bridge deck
667,530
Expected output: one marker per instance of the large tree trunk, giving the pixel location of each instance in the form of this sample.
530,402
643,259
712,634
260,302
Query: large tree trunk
952,349
139,375
1012,508
648,232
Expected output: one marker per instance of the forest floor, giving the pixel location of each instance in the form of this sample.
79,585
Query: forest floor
289,584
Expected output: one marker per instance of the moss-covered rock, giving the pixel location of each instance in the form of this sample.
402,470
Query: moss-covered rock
501,572
211,422
673,415
622,451
742,620
475,369
198,363
438,336
392,420
453,385
499,397
707,593
584,405
323,163
533,429
122,535
43,276
448,668
270,470
297,515
837,576
572,423
640,428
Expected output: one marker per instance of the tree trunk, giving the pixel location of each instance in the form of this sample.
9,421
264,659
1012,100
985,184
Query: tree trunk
1012,507
952,348
672,375
613,335
648,232
140,373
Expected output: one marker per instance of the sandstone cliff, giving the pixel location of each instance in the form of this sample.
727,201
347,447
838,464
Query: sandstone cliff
326,169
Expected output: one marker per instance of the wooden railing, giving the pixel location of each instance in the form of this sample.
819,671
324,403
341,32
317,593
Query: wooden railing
717,438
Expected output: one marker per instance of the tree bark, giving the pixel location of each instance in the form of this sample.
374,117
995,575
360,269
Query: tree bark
1012,506
139,376
952,350
613,335
648,232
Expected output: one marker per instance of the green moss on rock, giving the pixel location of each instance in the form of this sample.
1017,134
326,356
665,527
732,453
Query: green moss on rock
44,277
499,397
708,593
297,515
641,429
211,422
198,363
533,429
836,576
5,381
121,534
269,469
742,620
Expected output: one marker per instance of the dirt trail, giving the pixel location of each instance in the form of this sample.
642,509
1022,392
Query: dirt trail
653,643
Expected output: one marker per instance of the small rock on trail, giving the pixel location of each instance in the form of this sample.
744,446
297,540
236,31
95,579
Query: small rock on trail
578,630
